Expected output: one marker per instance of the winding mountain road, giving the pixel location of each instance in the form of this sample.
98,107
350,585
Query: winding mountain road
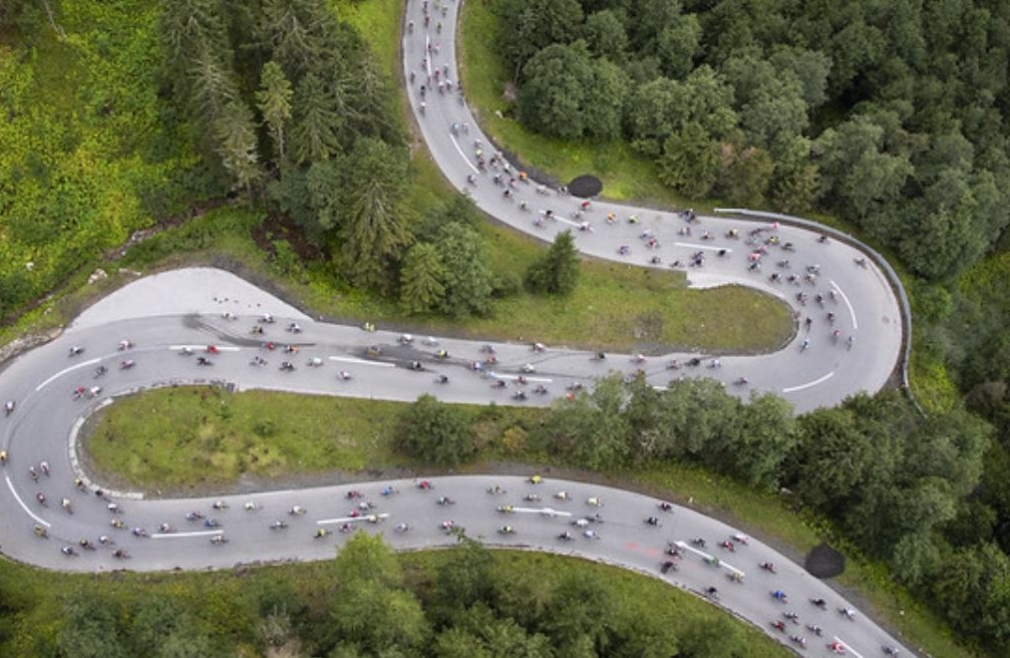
859,296
165,313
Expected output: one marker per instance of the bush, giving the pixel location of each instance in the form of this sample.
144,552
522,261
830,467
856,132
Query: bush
435,432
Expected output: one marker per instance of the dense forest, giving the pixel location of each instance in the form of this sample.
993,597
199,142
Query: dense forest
892,115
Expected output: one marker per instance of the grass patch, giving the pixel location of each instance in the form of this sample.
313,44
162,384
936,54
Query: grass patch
379,23
185,438
201,437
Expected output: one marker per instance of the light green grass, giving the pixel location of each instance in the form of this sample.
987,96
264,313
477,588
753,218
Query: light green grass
203,438
200,438
197,438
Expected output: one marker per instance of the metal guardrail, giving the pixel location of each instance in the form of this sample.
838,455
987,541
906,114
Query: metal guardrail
881,262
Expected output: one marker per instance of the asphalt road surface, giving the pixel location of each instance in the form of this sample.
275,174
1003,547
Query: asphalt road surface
218,309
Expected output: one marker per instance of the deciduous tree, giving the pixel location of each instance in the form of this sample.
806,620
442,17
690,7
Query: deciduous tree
467,275
435,432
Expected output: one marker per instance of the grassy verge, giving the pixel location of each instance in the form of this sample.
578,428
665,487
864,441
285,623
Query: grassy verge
194,437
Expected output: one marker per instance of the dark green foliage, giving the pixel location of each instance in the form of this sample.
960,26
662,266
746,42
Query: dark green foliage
435,432
304,100
568,94
91,629
605,36
374,232
690,161
467,275
531,25
465,578
421,279
973,590
371,613
557,272
892,116
696,420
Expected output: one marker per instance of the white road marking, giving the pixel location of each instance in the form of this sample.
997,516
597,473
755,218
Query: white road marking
10,485
702,246
180,535
65,371
545,511
455,143
495,375
823,379
707,556
353,519
378,364
852,311
202,348
847,646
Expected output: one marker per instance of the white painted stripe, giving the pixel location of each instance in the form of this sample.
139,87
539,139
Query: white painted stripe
545,511
353,519
463,155
707,556
702,246
182,535
78,366
40,521
847,646
496,375
202,349
363,362
823,379
852,311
